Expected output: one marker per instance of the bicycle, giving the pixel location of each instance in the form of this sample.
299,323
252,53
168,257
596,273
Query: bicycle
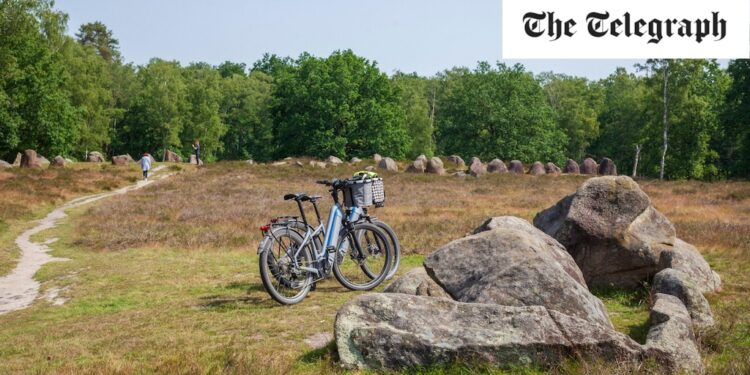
292,260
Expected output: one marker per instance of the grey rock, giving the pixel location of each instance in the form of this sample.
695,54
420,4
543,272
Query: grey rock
355,160
29,159
334,160
514,264
589,166
388,164
59,162
677,283
377,158
551,168
607,167
43,161
194,160
95,157
497,166
671,340
571,167
423,158
686,258
17,162
317,164
122,160
417,166
516,167
537,169
417,283
435,166
397,331
459,174
611,230
457,160
171,157
5,164
477,168
250,161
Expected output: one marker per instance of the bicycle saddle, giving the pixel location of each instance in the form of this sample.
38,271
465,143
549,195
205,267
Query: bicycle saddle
311,198
296,197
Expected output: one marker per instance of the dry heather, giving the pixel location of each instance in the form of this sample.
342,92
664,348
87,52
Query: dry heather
27,193
220,208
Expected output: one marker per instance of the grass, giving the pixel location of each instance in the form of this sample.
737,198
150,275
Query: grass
165,279
29,194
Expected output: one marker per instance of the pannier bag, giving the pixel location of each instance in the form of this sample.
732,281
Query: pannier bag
364,190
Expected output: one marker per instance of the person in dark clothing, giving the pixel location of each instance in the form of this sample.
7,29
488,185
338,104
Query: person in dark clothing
197,148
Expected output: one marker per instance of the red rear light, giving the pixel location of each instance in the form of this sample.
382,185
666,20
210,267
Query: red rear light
265,228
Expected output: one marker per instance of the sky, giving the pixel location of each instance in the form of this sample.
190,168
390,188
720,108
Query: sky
423,36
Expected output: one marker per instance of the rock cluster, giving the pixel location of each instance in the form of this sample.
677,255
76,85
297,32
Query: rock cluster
497,166
122,160
388,164
512,295
171,157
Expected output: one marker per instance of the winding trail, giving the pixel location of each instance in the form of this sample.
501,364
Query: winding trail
19,289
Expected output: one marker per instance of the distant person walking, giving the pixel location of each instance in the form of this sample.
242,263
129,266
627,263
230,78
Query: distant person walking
146,165
197,148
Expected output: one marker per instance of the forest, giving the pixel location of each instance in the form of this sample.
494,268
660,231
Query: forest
68,95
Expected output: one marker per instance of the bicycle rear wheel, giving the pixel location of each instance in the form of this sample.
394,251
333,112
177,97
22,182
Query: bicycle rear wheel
363,257
285,282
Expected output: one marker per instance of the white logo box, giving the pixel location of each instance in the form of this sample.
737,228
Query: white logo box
726,23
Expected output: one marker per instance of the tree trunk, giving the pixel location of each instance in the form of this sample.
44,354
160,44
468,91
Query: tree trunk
637,158
665,120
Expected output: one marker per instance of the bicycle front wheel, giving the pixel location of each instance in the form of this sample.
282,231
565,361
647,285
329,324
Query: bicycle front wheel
363,257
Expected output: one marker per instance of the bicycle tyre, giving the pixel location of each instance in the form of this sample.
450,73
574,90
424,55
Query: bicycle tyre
351,238
395,246
267,279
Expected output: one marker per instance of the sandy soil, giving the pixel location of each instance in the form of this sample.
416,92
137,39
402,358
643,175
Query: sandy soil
19,289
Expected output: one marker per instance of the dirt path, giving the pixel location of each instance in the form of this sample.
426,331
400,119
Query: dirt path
18,290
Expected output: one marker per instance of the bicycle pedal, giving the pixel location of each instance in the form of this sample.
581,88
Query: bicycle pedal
313,286
331,249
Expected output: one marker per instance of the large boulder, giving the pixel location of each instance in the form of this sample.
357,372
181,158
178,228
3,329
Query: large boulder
334,160
612,231
571,167
122,160
377,158
43,161
537,169
516,167
477,168
686,258
417,166
457,161
398,331
512,263
551,168
59,162
423,158
355,161
497,166
671,340
677,283
17,161
388,164
417,283
171,157
607,167
95,157
29,159
435,166
5,164
589,166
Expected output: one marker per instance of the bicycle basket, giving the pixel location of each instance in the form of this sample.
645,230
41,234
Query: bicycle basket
364,192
